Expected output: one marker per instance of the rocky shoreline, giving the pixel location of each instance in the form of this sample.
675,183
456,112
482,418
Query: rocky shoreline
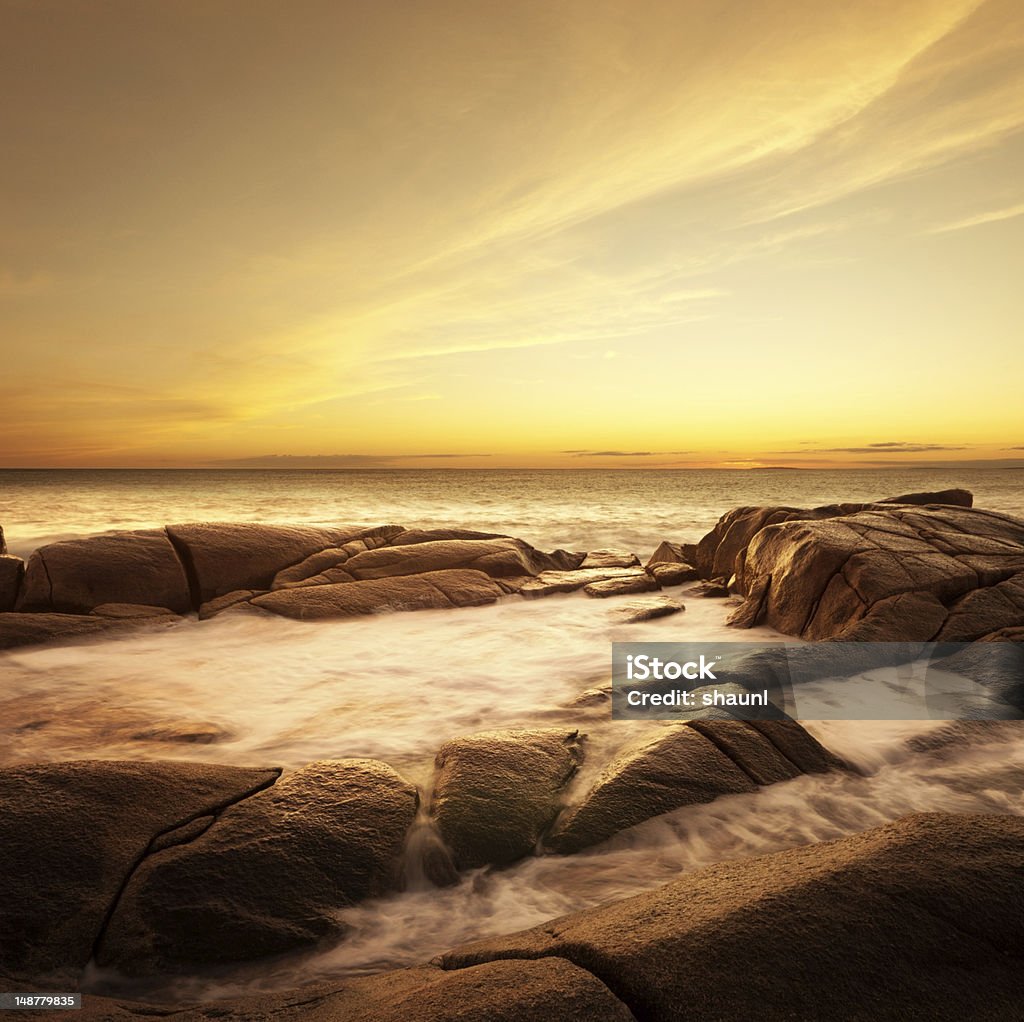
178,867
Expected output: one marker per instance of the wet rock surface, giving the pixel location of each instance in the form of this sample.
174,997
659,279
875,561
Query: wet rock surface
496,793
881,925
70,834
269,875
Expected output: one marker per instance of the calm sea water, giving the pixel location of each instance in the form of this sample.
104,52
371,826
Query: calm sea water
266,691
586,509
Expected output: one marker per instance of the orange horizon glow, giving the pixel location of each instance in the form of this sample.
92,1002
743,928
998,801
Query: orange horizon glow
543,235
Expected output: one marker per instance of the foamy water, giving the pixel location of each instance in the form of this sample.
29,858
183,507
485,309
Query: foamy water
260,691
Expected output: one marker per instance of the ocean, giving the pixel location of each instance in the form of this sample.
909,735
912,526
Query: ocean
586,509
260,691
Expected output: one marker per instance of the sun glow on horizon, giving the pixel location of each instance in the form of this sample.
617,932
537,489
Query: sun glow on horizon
547,235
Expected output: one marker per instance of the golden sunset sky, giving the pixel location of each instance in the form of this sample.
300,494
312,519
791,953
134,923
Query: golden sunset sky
517,233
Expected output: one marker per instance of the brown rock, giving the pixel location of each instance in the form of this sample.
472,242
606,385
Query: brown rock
957,498
30,629
458,587
668,553
77,575
672,573
798,745
70,833
888,574
269,876
131,611
239,599
12,570
647,610
747,747
312,569
676,767
495,793
882,925
504,991
495,557
626,586
610,559
548,583
222,557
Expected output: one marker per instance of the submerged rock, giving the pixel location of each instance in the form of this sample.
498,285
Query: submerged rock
548,583
495,793
30,629
628,585
648,610
269,876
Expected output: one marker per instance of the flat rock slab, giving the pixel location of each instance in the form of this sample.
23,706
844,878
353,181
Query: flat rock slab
70,835
77,575
269,875
548,583
882,925
495,557
628,585
458,587
647,610
31,629
495,793
610,559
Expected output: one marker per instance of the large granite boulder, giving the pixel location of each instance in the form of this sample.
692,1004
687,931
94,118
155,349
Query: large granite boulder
457,587
77,575
496,793
12,570
268,875
716,553
681,764
675,767
224,556
498,558
922,918
70,835
887,575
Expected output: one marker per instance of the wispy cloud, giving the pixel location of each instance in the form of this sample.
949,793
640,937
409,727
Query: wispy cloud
991,217
333,460
887,447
